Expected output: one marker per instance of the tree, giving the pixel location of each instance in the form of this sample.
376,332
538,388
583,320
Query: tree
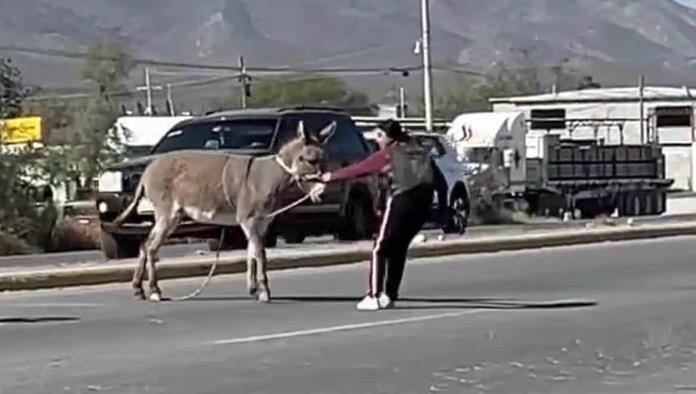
11,89
108,66
56,117
19,219
321,90
91,141
588,82
473,94
95,143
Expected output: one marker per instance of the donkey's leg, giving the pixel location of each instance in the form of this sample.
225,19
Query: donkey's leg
164,225
264,289
261,260
252,283
254,229
139,273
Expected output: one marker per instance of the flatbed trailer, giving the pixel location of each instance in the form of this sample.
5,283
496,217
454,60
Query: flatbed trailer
547,175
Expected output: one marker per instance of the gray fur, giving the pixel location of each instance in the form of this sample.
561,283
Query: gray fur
225,190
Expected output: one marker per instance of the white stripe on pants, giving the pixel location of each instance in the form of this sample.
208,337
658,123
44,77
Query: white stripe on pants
374,277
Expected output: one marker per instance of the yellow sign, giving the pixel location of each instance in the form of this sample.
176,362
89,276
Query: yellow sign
20,130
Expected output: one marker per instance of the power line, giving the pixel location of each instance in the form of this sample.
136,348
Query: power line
259,70
84,55
457,70
185,84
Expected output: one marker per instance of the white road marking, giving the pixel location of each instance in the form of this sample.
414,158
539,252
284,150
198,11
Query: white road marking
52,305
347,327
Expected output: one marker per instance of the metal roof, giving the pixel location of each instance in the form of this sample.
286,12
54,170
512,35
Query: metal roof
625,94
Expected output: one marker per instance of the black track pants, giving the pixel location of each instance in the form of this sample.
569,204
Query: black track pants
404,217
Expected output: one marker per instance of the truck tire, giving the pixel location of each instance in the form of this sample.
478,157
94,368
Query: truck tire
117,247
358,221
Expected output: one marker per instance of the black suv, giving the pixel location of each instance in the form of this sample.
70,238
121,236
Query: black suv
347,210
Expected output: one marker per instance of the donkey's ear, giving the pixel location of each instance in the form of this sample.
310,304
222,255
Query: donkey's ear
327,132
302,132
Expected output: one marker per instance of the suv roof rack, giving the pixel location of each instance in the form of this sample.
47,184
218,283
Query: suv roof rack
311,107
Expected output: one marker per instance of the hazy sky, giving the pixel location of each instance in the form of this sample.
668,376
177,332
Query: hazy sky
688,2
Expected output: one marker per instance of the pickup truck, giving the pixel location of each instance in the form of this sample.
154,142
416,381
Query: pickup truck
347,210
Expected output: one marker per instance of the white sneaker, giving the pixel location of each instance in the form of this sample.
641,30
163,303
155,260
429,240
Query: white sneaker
385,302
368,303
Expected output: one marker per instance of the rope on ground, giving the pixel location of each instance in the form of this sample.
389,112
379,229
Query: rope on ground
314,194
205,283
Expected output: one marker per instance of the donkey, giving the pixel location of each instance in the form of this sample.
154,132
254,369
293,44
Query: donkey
227,190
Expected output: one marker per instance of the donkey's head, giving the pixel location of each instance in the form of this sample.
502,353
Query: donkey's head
304,154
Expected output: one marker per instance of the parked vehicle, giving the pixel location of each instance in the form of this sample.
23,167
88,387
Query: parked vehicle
347,210
455,174
544,174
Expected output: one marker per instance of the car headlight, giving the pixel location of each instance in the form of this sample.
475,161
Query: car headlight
103,207
111,182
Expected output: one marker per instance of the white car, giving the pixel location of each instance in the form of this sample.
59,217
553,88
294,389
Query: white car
455,173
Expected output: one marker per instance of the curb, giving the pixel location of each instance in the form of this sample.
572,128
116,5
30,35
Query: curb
71,277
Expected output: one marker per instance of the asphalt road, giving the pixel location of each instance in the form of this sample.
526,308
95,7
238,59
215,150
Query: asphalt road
92,257
609,318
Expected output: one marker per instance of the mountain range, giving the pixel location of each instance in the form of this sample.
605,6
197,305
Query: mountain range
614,40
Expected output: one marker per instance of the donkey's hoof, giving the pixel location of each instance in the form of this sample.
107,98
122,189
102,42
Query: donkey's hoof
155,297
264,297
139,293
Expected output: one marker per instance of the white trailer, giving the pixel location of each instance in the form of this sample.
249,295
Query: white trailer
667,115
552,175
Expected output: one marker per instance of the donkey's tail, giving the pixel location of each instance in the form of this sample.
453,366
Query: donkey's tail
136,199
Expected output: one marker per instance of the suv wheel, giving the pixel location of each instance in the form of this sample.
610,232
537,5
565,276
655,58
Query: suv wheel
458,217
294,238
358,221
115,247
235,240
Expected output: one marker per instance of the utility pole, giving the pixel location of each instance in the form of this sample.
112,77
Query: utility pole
641,90
148,88
245,80
170,101
402,102
427,75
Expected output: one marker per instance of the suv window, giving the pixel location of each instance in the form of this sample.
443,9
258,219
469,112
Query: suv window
344,146
249,134
346,142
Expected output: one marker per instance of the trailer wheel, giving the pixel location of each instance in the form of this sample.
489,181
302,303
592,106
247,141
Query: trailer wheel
650,200
656,203
660,203
636,204
622,204
629,204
